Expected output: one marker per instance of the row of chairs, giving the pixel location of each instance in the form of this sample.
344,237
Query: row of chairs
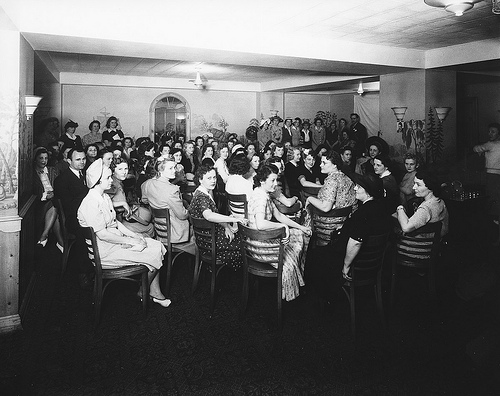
414,250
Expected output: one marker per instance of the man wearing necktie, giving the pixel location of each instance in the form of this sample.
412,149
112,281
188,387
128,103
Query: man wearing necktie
70,188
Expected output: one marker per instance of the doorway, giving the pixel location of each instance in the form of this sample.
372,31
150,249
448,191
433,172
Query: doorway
170,117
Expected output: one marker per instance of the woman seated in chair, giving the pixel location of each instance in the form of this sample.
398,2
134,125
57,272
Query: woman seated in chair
337,191
236,182
431,210
261,210
327,267
126,212
203,206
118,246
160,194
292,171
45,211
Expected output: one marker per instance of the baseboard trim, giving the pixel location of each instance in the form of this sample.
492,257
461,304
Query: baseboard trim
10,324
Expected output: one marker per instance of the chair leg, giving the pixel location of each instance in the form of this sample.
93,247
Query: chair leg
97,300
353,311
196,271
280,314
212,289
393,283
244,293
378,297
169,273
145,292
431,274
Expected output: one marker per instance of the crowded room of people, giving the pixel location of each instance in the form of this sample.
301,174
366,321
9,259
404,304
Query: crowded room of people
298,200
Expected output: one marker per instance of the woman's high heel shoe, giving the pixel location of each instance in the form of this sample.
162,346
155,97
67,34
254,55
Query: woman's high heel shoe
164,303
43,243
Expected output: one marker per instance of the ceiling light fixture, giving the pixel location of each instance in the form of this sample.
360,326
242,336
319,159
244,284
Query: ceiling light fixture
360,90
198,81
458,7
495,7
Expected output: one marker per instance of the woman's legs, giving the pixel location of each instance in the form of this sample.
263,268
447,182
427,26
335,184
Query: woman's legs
50,218
58,232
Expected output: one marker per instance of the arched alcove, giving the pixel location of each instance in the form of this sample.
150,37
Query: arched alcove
169,114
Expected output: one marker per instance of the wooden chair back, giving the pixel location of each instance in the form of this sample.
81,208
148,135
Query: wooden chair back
420,247
238,205
323,230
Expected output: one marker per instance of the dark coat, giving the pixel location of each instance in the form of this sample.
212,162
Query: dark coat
70,190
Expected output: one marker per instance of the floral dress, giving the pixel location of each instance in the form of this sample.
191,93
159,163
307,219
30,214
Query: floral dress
227,252
295,250
339,189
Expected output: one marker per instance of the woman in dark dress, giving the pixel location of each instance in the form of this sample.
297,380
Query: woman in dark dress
43,188
203,206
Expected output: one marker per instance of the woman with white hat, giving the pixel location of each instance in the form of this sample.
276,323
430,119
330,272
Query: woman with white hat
118,246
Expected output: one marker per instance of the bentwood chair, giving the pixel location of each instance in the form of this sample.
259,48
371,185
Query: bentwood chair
238,205
257,260
205,237
68,238
104,277
366,270
327,224
163,228
419,250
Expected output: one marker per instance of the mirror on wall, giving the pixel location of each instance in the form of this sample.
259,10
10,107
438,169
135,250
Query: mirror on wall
170,118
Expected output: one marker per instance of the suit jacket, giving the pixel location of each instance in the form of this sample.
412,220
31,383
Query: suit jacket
70,190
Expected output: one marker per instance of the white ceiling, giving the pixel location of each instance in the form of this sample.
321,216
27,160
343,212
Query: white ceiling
260,41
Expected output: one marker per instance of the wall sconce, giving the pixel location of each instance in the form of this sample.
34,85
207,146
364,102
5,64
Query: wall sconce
442,113
31,103
399,112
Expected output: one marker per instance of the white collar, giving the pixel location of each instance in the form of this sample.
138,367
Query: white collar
386,173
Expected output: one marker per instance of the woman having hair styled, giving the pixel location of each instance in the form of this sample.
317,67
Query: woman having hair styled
118,246
43,187
203,206
261,210
161,193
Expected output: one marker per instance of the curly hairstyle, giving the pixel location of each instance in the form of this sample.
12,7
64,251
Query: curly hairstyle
386,161
334,158
202,171
108,122
430,181
117,161
291,151
94,122
263,173
239,165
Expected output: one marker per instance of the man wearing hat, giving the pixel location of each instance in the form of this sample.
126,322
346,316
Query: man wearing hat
327,267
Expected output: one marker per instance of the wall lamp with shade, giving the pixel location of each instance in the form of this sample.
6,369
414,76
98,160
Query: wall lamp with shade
31,103
399,112
442,112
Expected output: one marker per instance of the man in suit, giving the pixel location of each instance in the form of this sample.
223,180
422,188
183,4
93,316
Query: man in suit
70,188
359,134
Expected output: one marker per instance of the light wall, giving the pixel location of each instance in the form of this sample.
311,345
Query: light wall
83,103
132,105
